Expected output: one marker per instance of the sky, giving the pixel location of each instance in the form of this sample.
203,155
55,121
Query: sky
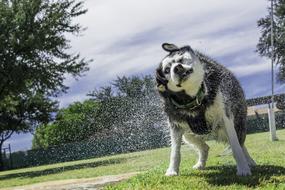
124,38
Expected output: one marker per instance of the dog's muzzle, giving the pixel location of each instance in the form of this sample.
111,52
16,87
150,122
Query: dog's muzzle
181,71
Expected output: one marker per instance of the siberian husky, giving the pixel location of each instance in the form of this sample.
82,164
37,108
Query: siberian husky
203,100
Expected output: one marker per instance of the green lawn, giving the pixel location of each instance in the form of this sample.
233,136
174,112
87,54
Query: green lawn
110,165
220,171
219,174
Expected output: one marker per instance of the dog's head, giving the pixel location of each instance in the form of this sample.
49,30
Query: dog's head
180,70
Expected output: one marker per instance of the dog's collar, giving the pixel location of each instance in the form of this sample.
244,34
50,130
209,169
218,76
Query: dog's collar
196,102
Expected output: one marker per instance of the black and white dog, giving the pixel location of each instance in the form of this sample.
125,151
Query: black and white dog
202,100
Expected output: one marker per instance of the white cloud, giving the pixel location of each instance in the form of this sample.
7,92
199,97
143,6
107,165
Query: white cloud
246,70
124,37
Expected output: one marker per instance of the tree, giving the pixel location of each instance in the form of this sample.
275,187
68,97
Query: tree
128,111
74,123
34,60
264,44
134,114
22,113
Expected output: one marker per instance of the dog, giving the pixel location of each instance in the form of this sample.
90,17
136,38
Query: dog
203,100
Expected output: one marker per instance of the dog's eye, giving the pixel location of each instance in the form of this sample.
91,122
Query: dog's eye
167,70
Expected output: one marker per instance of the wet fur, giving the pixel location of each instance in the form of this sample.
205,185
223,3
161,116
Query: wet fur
221,116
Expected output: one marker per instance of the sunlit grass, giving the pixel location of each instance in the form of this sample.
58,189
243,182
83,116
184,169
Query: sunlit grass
220,172
110,165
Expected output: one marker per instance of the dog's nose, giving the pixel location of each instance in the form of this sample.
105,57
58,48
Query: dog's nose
178,69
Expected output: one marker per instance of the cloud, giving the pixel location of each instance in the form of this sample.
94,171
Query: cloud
124,37
246,70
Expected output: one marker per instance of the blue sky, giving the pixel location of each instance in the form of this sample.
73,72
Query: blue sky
124,38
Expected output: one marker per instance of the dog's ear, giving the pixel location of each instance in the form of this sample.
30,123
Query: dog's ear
186,48
170,47
161,80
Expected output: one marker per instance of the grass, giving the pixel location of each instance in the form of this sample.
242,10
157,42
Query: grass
110,165
219,174
220,171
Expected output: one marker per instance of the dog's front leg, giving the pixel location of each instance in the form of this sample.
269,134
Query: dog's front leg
176,137
242,164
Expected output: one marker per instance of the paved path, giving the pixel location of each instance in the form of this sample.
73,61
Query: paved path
76,184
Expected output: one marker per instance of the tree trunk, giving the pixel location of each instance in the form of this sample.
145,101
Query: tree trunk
1,157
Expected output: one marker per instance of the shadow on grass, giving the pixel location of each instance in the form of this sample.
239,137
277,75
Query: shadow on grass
56,170
226,175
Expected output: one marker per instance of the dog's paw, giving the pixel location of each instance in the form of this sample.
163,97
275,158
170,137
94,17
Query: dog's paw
199,166
171,172
243,171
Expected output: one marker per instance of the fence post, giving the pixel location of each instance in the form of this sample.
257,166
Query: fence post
271,122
